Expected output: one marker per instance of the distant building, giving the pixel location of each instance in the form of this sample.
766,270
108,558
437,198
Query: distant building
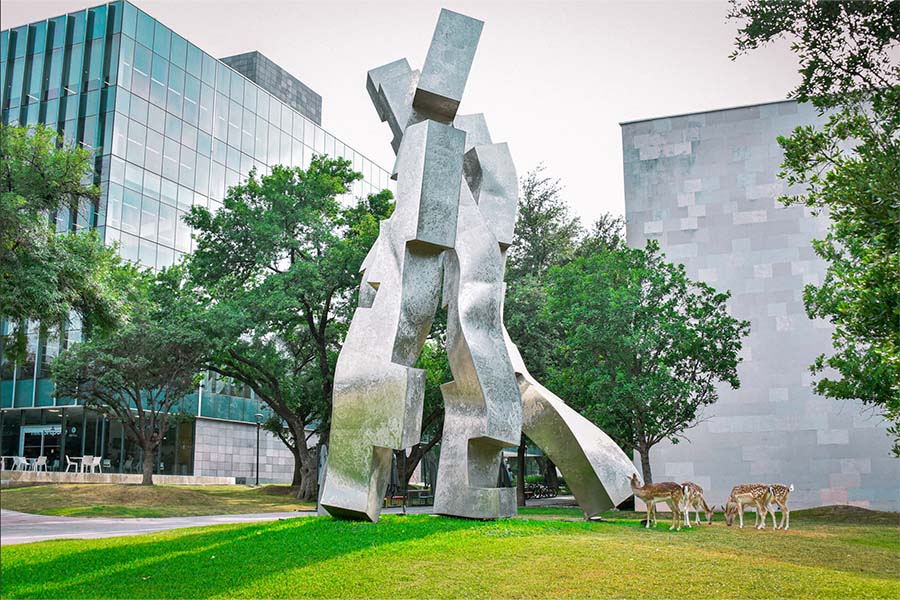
705,186
172,127
284,86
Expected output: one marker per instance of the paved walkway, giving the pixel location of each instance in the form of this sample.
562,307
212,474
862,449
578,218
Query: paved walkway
22,528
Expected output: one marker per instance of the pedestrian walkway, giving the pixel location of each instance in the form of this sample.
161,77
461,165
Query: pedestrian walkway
23,528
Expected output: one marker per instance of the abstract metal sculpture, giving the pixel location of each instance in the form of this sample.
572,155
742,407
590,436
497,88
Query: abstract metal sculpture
448,236
595,468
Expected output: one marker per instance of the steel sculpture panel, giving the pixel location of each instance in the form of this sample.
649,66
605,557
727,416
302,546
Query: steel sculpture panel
448,236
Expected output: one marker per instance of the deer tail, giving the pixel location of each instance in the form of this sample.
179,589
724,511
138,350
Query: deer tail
791,488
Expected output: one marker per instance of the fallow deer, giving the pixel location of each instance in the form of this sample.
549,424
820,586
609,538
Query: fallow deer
693,498
779,495
757,494
668,492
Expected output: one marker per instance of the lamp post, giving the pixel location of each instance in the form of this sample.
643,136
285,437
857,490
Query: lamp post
258,424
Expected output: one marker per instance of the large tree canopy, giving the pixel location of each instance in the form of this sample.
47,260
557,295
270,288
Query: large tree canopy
641,347
46,276
849,54
139,373
272,283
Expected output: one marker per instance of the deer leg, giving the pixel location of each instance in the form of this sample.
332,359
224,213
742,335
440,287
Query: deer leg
741,515
785,517
761,509
772,512
687,514
649,512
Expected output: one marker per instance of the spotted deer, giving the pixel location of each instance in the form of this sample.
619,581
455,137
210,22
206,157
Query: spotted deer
756,494
651,493
693,498
778,495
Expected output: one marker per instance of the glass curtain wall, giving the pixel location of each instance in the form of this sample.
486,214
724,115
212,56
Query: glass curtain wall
76,432
171,127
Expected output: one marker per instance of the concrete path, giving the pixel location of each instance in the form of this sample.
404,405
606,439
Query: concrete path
22,528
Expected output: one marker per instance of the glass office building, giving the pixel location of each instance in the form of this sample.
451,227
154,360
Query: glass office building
171,127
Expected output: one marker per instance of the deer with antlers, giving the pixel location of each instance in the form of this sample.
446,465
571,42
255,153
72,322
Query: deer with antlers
693,498
669,492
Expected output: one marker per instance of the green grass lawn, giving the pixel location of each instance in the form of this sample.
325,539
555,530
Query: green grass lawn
119,500
543,553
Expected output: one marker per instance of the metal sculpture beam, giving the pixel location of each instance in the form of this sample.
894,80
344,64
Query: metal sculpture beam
594,467
453,223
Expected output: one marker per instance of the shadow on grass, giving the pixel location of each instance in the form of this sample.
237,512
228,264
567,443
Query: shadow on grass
208,563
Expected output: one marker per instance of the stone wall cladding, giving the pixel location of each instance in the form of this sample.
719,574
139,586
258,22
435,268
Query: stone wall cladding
705,186
228,449
284,86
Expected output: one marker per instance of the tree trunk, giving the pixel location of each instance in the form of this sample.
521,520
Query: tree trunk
520,478
550,477
645,465
297,480
148,467
307,472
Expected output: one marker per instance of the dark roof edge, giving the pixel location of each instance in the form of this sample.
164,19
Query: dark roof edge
703,112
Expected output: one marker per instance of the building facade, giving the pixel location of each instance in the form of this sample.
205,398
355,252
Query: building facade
705,187
171,127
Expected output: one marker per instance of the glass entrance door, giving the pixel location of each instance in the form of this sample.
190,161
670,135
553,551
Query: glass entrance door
31,444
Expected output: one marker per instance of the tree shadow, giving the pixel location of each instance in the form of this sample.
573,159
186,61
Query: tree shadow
207,563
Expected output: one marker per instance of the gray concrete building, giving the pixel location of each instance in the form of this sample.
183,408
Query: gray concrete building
259,69
705,186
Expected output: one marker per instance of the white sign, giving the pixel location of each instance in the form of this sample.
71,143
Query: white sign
42,429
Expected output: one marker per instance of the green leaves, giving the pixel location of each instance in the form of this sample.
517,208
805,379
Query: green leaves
45,276
274,277
850,169
641,347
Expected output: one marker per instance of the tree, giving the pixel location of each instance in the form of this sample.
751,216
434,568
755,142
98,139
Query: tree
273,279
138,374
641,346
545,235
546,231
45,276
848,168
607,233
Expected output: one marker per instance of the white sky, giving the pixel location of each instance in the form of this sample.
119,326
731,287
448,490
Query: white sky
554,78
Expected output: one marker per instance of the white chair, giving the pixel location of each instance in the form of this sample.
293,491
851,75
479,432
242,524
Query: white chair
128,465
19,463
71,463
40,463
95,463
87,462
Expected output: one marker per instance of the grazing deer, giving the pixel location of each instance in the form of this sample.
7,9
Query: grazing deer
779,495
668,492
693,498
757,494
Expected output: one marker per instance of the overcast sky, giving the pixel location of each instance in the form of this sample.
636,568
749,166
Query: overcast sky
553,78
